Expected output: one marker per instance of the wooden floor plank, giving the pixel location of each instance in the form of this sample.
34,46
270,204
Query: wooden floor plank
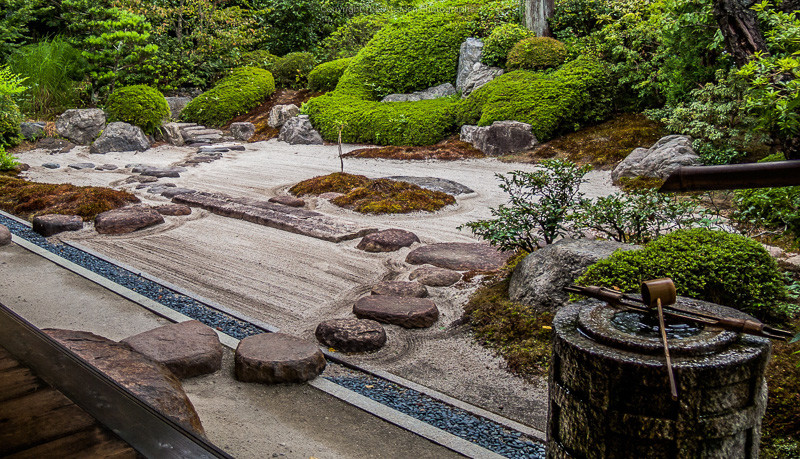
95,442
17,382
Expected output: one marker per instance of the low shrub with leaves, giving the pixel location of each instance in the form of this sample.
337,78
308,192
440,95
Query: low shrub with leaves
234,95
138,105
536,53
259,58
7,161
715,266
498,44
350,38
10,114
326,76
291,70
539,206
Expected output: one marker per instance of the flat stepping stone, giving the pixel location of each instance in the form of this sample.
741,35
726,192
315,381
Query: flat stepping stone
158,188
173,210
5,236
212,149
351,335
51,165
188,349
435,184
290,201
293,220
173,172
126,220
435,277
82,166
274,358
389,240
403,311
48,225
400,288
459,256
106,167
172,192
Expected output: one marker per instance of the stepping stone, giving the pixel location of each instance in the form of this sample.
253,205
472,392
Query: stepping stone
290,201
435,184
212,149
5,236
148,380
172,192
237,148
274,358
351,335
106,167
403,311
173,172
159,188
435,277
141,179
188,349
198,144
51,165
81,166
48,225
389,240
173,210
459,256
126,220
400,288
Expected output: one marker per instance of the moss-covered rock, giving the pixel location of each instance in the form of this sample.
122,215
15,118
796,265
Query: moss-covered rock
498,44
10,119
234,95
138,105
291,70
716,266
551,103
536,53
326,76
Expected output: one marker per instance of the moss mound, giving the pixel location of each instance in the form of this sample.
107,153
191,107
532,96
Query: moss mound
715,266
379,196
259,58
291,70
10,119
551,103
500,42
28,199
234,95
138,105
448,150
536,53
326,76
781,424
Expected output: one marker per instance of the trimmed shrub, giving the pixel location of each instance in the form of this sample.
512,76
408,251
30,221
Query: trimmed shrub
139,105
10,119
492,15
500,41
350,38
551,103
326,76
536,53
259,58
716,266
234,95
291,70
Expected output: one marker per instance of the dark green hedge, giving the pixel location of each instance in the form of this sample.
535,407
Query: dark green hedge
139,105
291,70
326,76
234,95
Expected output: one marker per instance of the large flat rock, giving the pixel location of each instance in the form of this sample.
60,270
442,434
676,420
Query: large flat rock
126,220
351,335
274,358
48,225
459,256
406,312
262,212
389,240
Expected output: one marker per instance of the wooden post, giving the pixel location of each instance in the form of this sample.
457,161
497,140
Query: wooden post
537,12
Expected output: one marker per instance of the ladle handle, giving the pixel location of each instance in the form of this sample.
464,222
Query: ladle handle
672,386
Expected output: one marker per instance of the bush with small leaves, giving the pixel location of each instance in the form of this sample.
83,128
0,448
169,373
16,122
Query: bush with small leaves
234,95
138,105
499,43
291,70
536,53
326,76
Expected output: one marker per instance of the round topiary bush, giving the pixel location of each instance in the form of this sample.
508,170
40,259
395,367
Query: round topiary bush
10,119
326,76
500,41
536,53
234,95
291,71
138,105
716,266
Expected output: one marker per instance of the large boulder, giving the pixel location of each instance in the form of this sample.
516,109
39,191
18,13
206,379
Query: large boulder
147,379
48,225
478,76
176,105
459,256
81,126
120,137
5,236
280,114
501,138
435,92
243,131
274,358
351,335
188,348
540,278
469,55
658,161
172,134
32,130
300,131
126,220
389,240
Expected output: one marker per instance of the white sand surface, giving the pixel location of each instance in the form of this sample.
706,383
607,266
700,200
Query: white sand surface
293,281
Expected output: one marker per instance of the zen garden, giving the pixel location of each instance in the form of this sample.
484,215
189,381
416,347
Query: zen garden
400,228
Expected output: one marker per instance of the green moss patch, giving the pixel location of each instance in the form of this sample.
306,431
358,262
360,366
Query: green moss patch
536,53
138,105
378,196
781,424
448,150
326,76
244,89
29,199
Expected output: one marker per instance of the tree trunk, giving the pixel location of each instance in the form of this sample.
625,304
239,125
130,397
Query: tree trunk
739,27
537,12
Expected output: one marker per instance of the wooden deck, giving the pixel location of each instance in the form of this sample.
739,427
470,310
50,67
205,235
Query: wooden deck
37,421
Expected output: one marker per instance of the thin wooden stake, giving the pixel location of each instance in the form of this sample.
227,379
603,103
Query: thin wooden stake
672,386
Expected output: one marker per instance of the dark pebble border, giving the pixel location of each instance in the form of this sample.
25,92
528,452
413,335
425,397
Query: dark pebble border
458,422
